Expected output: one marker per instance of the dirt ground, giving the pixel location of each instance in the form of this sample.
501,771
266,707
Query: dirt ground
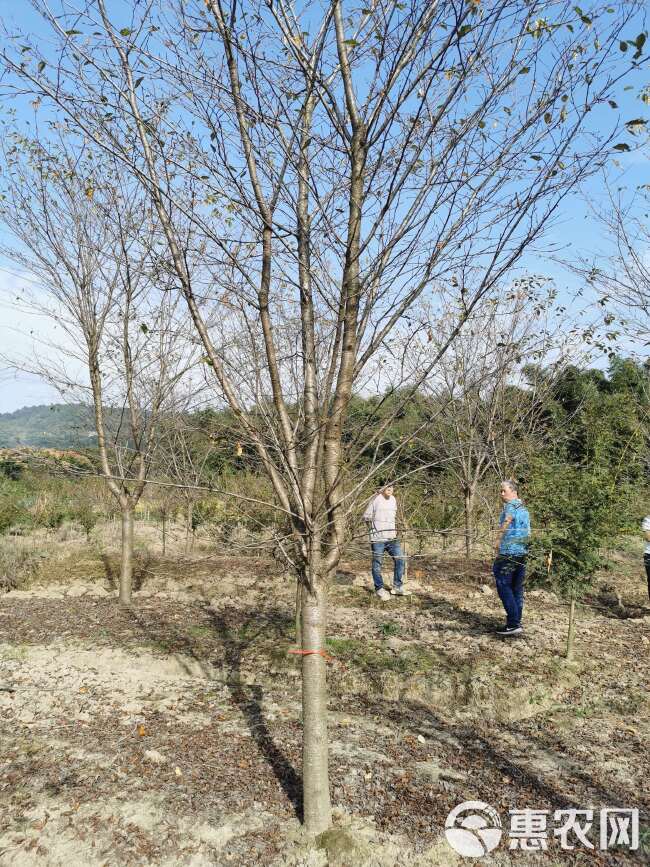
169,734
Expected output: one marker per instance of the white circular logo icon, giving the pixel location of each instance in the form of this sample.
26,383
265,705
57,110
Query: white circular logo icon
473,829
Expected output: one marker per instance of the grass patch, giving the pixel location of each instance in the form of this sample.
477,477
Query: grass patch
200,631
373,657
160,646
390,628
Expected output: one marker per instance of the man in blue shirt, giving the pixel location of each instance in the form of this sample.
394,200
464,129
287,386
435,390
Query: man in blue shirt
511,549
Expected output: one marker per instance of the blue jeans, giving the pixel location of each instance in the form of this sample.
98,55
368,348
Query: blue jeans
509,571
394,549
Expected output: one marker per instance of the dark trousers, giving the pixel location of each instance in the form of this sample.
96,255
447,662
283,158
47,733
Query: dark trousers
646,560
509,572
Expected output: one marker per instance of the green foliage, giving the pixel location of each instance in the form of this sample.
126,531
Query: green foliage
582,489
396,446
574,515
13,505
56,426
38,499
11,469
85,515
202,512
11,514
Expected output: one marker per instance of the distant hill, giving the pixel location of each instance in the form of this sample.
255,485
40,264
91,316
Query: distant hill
56,426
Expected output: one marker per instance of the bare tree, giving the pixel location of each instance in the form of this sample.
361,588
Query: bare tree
184,455
622,278
82,233
488,395
336,165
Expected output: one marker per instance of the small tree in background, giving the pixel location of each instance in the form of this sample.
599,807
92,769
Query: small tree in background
486,400
579,490
85,234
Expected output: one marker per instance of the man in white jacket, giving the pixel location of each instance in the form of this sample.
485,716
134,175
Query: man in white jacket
381,517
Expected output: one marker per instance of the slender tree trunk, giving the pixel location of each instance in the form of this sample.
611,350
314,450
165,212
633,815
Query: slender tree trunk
317,809
572,628
188,527
469,522
298,612
164,533
126,566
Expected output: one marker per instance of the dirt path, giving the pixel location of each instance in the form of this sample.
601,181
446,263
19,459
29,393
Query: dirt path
170,734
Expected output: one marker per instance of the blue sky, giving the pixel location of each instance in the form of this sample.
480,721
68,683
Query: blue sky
574,232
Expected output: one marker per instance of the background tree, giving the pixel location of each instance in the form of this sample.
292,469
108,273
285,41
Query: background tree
621,279
486,397
185,457
84,234
588,484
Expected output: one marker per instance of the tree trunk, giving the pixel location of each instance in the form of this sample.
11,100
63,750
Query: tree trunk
572,629
298,612
164,533
469,524
126,565
317,809
188,528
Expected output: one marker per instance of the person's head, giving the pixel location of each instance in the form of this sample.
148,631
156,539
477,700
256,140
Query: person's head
387,491
508,490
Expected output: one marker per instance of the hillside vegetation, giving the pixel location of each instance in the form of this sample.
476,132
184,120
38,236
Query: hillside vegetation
48,426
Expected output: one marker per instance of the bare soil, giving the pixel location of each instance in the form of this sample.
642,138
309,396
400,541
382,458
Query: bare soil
169,734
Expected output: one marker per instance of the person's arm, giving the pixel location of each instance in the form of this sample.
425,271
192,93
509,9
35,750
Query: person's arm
400,518
369,514
506,523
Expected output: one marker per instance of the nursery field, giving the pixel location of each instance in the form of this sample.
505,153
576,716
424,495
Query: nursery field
169,733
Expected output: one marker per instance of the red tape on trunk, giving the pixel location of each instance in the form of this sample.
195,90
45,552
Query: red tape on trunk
322,653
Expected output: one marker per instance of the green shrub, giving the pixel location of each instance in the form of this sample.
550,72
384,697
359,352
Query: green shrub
18,567
574,512
85,515
11,469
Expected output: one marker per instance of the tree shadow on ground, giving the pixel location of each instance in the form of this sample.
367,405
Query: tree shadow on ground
141,569
482,754
614,606
249,697
236,631
478,623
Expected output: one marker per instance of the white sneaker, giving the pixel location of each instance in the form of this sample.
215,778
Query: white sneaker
400,591
383,594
